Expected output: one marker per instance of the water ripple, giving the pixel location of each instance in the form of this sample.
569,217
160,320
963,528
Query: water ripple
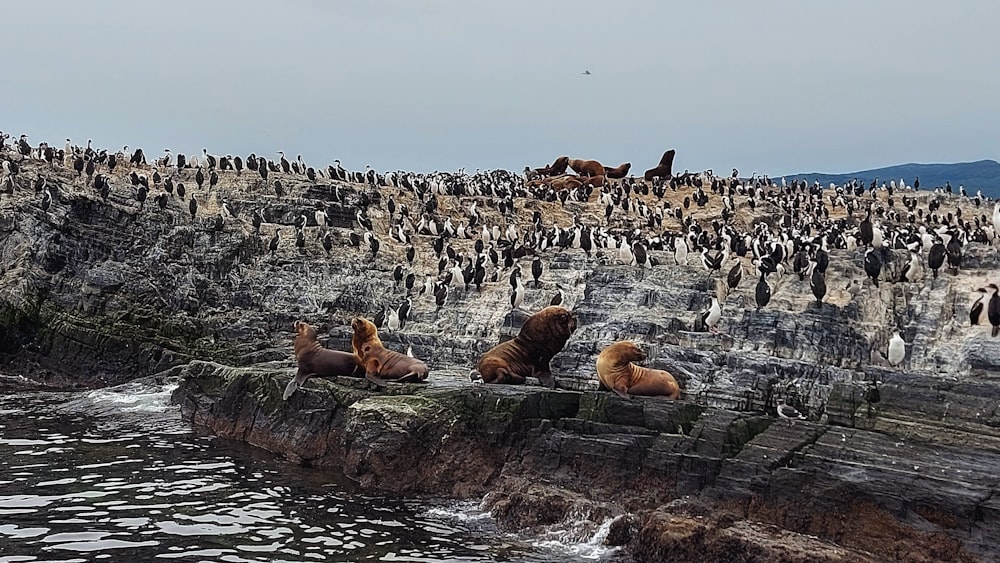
117,474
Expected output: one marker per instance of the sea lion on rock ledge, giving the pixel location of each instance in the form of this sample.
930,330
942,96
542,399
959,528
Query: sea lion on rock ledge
618,172
589,168
380,363
528,354
316,360
617,373
662,170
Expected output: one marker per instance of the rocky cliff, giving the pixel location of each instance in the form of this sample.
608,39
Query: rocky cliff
892,463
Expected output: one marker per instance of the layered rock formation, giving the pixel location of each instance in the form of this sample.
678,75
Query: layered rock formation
892,463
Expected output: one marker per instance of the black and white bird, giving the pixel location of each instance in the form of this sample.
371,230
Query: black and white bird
397,275
735,275
557,299
873,264
935,257
817,283
914,269
978,307
762,293
536,270
711,315
517,292
272,245
993,308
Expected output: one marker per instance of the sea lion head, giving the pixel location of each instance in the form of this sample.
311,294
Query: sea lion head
627,351
365,331
304,329
552,325
305,338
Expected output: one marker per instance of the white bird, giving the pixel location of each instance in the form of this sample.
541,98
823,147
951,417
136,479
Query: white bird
680,250
897,349
996,219
625,254
517,295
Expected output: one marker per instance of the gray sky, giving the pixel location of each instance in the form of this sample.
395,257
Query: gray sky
773,86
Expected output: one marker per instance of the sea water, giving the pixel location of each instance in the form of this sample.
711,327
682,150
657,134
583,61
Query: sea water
116,475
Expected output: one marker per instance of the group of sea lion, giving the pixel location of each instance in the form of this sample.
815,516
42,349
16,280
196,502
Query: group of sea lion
592,172
528,354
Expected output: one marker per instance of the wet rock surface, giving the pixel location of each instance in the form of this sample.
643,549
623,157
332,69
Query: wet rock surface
896,464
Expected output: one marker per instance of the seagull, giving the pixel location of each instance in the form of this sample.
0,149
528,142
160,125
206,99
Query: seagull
587,72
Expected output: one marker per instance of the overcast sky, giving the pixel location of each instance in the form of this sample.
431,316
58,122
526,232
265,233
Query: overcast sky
773,86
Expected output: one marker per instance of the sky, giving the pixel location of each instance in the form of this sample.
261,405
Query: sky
775,86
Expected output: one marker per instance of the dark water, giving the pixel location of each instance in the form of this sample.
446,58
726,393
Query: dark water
115,475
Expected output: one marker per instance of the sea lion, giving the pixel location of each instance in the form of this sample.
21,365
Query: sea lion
587,168
541,337
619,171
617,373
316,360
663,169
558,167
380,363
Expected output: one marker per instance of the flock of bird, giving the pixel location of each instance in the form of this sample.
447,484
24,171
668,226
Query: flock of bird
644,224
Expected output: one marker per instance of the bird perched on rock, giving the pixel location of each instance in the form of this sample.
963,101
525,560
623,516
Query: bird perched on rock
711,315
817,283
993,308
762,294
873,264
897,350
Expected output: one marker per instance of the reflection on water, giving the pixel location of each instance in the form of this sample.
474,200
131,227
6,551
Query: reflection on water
115,475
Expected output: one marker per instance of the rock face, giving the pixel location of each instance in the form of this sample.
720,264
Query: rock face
894,464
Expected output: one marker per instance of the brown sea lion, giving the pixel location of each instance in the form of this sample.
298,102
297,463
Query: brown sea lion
542,336
663,169
558,167
316,360
380,363
618,172
617,373
586,167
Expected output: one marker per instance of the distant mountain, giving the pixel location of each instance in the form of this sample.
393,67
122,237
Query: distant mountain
982,174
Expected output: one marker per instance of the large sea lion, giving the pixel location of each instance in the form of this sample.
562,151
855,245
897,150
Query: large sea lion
617,373
663,169
619,171
528,354
558,167
316,360
380,363
589,168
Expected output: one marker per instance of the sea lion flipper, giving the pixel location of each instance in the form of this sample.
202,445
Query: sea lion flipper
295,384
289,389
375,379
371,372
622,394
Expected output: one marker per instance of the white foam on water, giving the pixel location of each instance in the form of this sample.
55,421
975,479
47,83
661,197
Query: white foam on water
578,539
462,511
136,396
